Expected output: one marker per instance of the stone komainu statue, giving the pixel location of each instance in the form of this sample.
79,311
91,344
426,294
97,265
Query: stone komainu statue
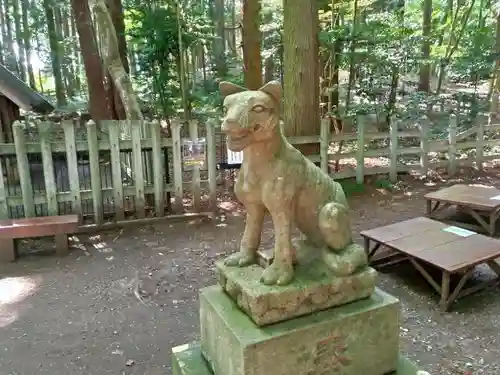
276,177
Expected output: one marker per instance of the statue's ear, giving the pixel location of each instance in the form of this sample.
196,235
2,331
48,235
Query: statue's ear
228,88
272,88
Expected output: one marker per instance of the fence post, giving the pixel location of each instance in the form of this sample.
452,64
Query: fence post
116,168
393,138
360,154
72,160
4,207
480,139
195,178
452,147
95,172
140,201
212,165
424,147
48,167
4,204
23,168
158,170
324,140
177,156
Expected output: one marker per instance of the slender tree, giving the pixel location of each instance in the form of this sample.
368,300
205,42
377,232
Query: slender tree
301,66
98,101
251,44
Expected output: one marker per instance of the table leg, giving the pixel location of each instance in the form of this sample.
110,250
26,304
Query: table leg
434,208
8,251
445,291
456,292
366,243
493,222
494,266
370,252
62,247
486,226
429,207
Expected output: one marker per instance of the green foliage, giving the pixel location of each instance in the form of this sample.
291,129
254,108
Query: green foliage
154,33
384,45
351,187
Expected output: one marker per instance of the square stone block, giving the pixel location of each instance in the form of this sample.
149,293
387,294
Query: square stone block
314,288
358,338
188,360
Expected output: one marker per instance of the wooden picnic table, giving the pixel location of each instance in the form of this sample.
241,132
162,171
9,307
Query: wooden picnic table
480,202
452,250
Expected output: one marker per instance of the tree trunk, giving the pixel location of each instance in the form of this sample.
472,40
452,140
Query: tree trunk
113,61
98,101
68,53
233,31
335,65
76,53
55,53
352,55
269,69
115,10
61,31
391,101
181,66
19,40
301,78
251,37
495,81
133,61
425,66
219,44
25,6
2,35
38,48
455,38
448,11
10,55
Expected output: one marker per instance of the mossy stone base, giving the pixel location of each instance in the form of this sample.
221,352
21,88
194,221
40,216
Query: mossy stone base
314,288
358,338
188,360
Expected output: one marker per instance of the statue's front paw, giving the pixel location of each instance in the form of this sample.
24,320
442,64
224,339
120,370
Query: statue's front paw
279,273
241,259
347,261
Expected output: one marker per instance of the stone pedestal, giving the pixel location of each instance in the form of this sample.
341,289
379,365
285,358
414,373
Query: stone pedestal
357,338
188,360
314,288
317,325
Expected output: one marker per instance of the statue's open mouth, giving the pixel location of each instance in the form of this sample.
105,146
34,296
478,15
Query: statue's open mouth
237,141
237,138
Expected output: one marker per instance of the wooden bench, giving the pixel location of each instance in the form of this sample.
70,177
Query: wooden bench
13,229
452,250
479,202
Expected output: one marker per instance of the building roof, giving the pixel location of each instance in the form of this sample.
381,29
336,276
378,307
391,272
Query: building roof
21,94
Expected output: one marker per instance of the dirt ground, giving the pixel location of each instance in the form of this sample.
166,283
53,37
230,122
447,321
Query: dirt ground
122,299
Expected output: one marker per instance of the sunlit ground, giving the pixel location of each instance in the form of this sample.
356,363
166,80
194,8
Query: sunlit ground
12,291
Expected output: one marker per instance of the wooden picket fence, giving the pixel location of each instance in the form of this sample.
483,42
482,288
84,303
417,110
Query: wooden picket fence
138,150
406,149
423,154
121,170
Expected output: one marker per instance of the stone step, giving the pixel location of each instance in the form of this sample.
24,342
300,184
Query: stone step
188,360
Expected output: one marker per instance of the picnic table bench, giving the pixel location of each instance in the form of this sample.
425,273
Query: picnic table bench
13,229
450,249
479,202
